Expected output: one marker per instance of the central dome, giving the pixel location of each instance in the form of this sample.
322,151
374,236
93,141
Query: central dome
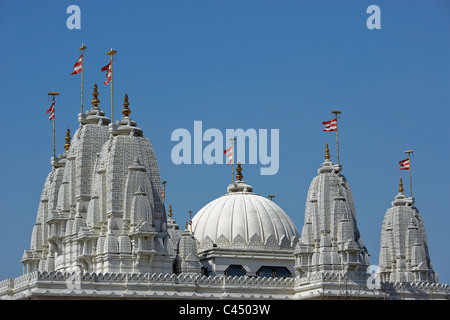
241,218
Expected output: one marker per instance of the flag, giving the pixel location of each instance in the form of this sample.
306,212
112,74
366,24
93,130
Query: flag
52,107
163,194
78,67
404,164
108,73
229,153
330,125
51,110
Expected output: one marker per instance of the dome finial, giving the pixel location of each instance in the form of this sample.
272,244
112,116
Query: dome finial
239,175
400,186
95,102
170,211
67,144
126,111
327,152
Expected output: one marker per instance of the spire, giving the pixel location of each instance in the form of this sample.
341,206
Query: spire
400,186
95,102
327,152
67,144
170,211
126,111
330,230
239,175
404,239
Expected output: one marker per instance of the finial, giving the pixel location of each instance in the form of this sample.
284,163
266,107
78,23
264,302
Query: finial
67,144
95,102
170,211
400,186
271,196
126,111
239,175
327,152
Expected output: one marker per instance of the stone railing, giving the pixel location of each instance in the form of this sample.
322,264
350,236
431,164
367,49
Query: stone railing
159,285
419,290
148,284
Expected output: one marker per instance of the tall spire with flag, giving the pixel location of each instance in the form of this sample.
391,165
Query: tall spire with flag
79,68
332,126
109,78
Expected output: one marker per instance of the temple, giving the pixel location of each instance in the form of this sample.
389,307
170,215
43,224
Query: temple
102,232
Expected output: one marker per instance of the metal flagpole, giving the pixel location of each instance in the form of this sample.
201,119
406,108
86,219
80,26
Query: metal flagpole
82,48
112,53
53,94
335,112
190,219
164,191
232,162
409,152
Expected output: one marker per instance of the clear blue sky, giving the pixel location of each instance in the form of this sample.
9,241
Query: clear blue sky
238,64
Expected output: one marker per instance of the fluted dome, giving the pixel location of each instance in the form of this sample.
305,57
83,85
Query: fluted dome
243,218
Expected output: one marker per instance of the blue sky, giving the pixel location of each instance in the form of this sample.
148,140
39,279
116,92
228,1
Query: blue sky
238,64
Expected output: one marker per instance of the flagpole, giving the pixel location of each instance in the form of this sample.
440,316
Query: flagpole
232,162
82,48
164,191
190,219
53,94
112,53
409,152
335,112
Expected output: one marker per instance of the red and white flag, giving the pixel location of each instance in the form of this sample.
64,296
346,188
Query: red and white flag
330,125
229,153
51,110
108,73
404,164
78,67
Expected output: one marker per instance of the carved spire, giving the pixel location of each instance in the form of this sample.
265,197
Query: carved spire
400,186
126,111
67,144
239,175
95,102
327,152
